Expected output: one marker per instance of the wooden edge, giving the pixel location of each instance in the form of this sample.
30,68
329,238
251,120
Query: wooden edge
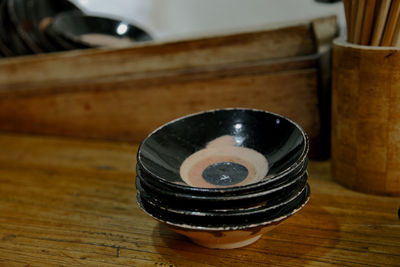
340,42
279,43
325,30
140,79
290,41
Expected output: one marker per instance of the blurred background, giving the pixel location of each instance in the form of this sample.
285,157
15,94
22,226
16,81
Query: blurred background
175,19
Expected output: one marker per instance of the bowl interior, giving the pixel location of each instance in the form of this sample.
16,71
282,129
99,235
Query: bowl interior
239,136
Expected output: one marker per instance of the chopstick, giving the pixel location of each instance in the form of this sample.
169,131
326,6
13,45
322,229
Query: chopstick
358,21
380,22
373,22
347,12
367,22
353,16
396,35
391,23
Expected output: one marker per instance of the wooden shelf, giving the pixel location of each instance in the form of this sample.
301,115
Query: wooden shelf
136,89
72,202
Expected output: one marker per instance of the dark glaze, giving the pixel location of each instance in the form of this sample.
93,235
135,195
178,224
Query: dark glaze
71,26
227,223
225,173
186,201
227,207
282,142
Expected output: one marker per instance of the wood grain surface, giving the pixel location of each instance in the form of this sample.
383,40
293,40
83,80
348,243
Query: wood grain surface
69,202
261,44
135,89
136,106
366,118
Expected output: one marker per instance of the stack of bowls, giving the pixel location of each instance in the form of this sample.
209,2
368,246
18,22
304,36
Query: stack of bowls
21,25
223,177
42,26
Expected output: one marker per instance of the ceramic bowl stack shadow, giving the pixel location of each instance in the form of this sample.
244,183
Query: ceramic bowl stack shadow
42,26
223,177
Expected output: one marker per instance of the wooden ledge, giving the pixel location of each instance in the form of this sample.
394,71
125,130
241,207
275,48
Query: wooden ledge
72,202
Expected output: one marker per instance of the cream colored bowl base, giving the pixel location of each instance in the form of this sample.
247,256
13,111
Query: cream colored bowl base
227,239
232,245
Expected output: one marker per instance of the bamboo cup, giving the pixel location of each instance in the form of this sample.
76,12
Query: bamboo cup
366,118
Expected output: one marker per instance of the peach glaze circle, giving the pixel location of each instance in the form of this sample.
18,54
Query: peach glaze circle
223,151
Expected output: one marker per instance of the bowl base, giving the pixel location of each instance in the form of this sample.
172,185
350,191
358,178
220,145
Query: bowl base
237,244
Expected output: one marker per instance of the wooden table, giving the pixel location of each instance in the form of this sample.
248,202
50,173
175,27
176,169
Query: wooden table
67,202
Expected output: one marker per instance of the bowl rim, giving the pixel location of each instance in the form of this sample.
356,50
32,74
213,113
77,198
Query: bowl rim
303,172
232,213
243,226
264,181
300,169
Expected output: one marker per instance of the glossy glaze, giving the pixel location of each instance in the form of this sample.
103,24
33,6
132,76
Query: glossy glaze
187,202
222,192
223,163
228,211
224,222
282,142
71,27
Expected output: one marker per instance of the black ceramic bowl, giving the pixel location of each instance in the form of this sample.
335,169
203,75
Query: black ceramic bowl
39,14
223,151
265,213
77,29
166,187
226,232
18,14
220,232
21,24
12,42
4,35
226,208
171,199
